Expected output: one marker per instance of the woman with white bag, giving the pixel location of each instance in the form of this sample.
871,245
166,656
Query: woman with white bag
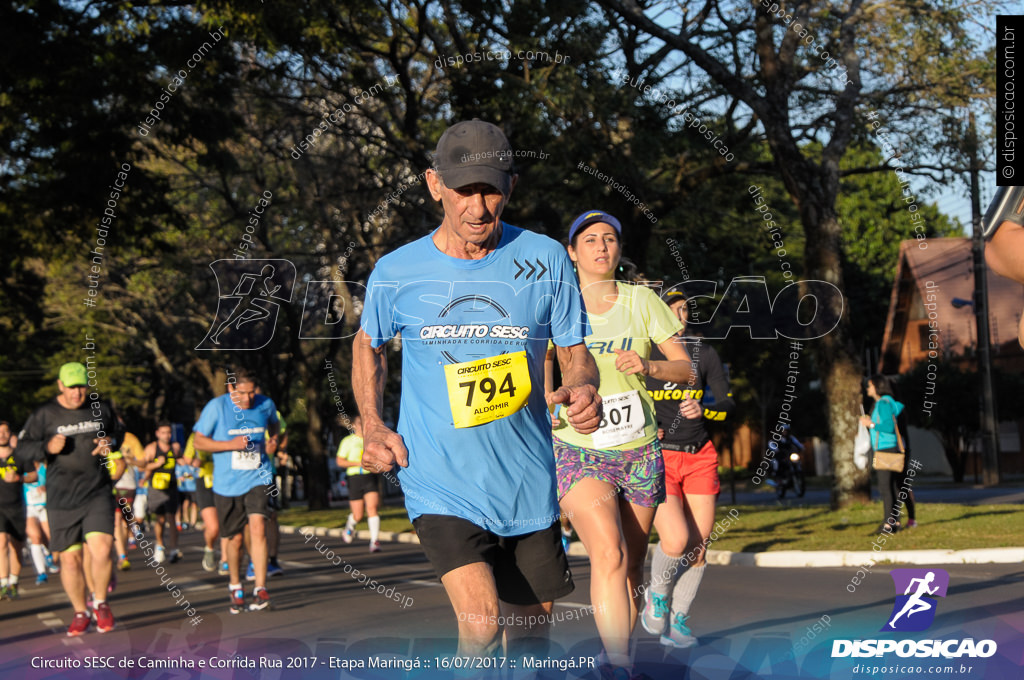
888,439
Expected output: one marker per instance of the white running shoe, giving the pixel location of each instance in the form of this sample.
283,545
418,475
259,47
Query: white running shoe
654,617
679,634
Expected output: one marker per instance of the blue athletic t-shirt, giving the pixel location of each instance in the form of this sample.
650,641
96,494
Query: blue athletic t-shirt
33,496
235,472
488,321
186,477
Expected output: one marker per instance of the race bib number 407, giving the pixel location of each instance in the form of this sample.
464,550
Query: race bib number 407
487,389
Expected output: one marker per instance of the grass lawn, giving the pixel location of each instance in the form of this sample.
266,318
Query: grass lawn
392,518
765,528
942,526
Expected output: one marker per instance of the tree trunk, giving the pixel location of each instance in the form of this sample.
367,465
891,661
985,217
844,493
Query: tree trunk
317,475
837,362
842,381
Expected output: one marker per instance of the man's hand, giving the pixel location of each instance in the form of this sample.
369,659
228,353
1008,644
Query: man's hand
629,362
583,406
382,448
239,442
555,420
691,409
56,444
270,444
102,446
10,476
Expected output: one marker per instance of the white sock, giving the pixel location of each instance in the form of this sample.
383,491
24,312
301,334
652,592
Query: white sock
13,580
3,582
38,558
686,589
374,523
665,571
350,524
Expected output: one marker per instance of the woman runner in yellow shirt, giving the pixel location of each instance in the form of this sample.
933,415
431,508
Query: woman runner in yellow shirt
610,482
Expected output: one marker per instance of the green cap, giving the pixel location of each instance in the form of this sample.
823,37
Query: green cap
73,374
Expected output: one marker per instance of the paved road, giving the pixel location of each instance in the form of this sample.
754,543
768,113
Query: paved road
749,620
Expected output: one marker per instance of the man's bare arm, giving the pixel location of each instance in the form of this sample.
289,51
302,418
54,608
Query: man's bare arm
204,443
578,392
382,447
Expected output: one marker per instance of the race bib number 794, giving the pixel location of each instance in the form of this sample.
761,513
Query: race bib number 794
487,389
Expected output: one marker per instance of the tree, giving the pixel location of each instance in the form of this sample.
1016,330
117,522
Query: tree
252,117
800,94
873,218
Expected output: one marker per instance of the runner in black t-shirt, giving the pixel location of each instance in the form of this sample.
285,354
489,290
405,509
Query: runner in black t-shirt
12,513
685,519
74,434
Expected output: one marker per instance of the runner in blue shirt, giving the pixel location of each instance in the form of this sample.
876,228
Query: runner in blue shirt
236,427
475,303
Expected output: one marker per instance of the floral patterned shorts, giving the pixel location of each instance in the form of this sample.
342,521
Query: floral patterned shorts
638,474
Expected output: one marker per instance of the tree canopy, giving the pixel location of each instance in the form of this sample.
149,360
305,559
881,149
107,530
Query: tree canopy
664,117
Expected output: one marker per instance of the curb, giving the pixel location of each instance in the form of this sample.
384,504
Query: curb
780,558
857,558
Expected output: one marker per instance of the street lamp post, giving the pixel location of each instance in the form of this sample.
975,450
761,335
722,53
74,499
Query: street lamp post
989,440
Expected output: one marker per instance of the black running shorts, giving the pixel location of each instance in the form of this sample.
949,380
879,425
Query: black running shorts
70,527
233,511
204,494
163,502
12,521
528,569
360,485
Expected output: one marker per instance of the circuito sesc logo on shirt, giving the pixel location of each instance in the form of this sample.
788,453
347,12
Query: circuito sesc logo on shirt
487,333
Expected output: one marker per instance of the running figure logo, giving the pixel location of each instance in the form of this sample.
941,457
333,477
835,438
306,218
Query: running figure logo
246,317
914,610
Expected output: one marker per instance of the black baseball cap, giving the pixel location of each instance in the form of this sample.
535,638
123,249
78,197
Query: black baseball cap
474,151
671,295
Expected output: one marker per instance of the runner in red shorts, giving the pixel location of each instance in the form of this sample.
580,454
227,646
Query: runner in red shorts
685,519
